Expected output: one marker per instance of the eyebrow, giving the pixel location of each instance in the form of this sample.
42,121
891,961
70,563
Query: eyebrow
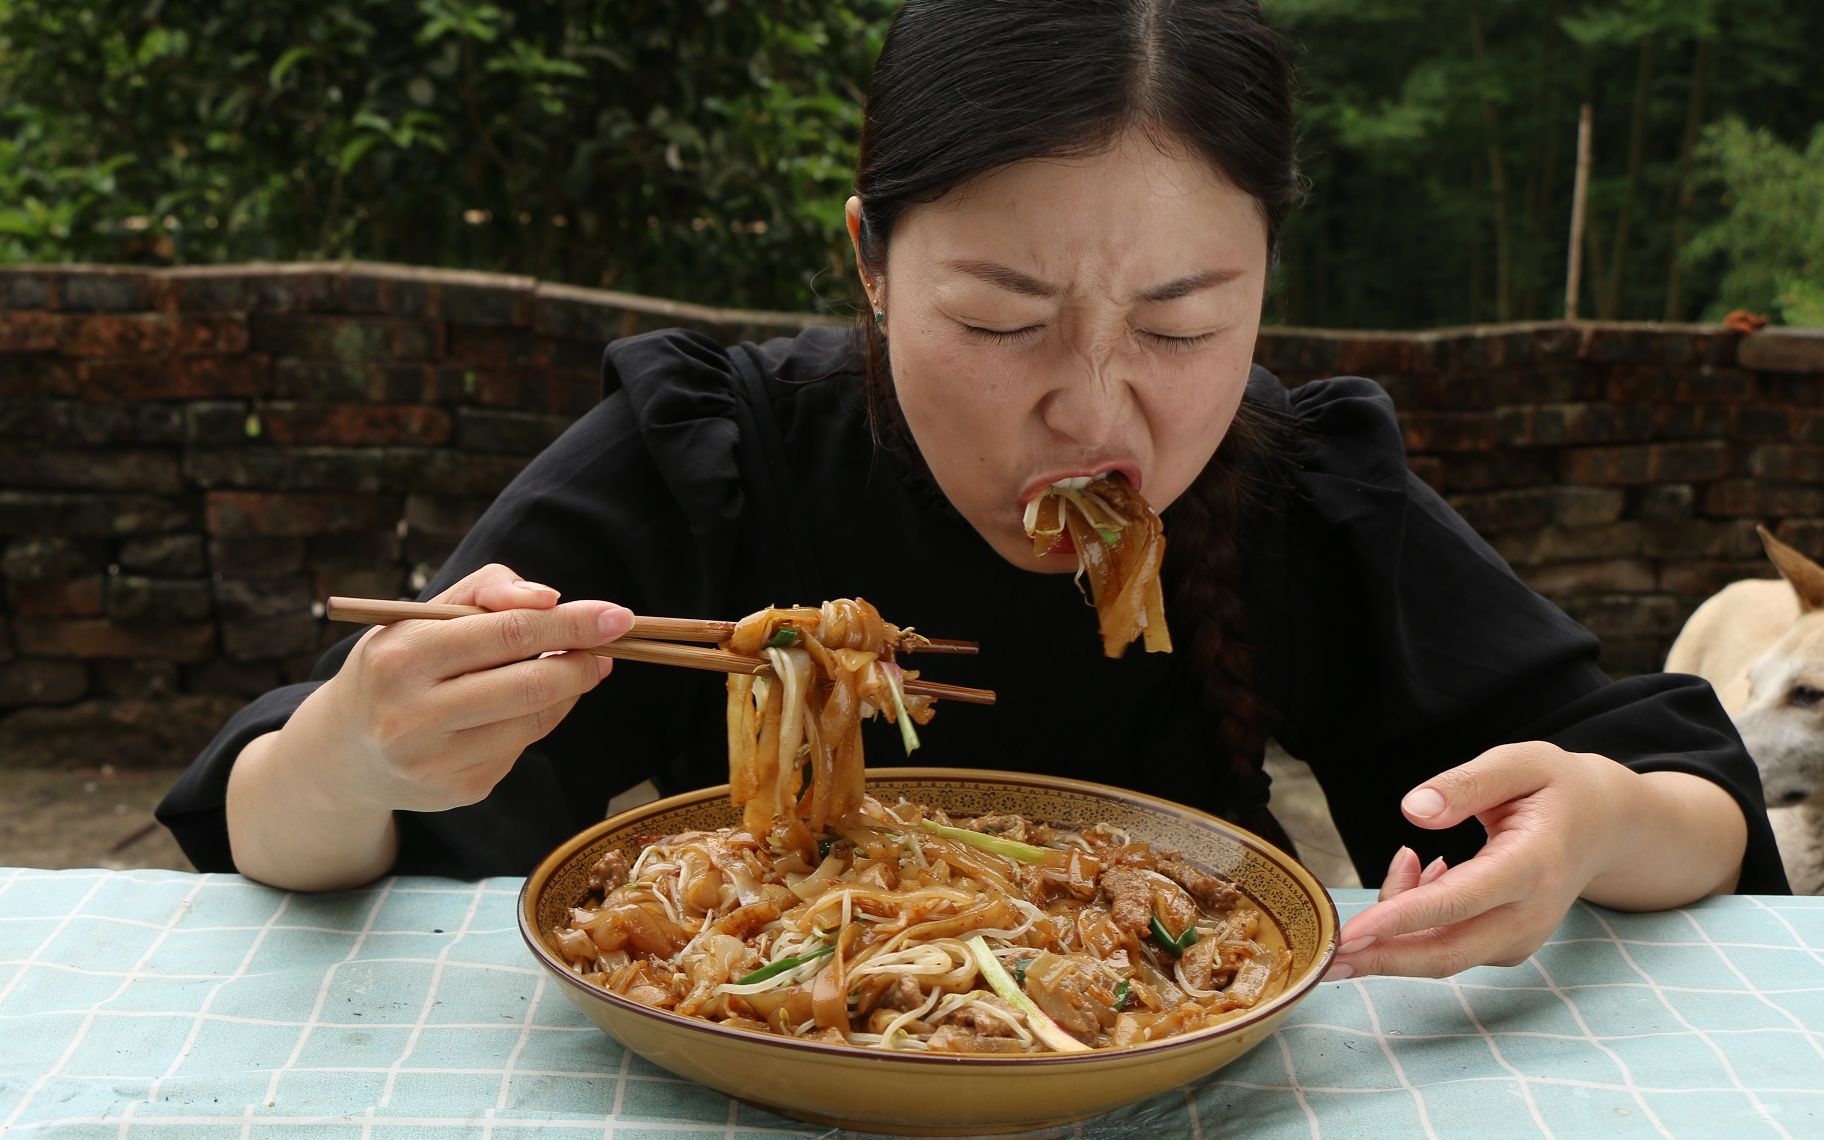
1029,286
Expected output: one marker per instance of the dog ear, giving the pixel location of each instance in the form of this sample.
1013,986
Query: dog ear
1805,576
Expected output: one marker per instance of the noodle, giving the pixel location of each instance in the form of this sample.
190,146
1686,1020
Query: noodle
794,739
828,915
1109,942
1120,545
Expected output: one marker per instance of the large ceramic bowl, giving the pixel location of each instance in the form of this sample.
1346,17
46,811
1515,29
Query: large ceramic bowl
944,1094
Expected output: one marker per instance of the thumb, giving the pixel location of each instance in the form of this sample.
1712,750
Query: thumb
1487,782
497,587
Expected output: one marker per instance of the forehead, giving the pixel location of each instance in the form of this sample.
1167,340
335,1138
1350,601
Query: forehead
1128,208
1796,657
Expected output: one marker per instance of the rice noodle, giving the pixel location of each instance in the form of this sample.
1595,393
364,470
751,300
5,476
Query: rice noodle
886,967
1120,548
794,739
830,914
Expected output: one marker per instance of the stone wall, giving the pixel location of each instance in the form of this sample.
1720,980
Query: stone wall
1621,469
190,460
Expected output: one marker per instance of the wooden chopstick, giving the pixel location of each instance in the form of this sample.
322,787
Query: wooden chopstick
652,640
381,611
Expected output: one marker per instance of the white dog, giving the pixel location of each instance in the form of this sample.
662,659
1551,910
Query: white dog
1760,643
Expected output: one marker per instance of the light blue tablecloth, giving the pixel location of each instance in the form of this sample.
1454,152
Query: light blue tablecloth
158,1004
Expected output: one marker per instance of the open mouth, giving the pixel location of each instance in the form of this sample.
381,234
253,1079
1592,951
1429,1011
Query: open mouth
1044,517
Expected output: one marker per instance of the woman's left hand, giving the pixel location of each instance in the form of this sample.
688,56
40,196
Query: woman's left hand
1555,820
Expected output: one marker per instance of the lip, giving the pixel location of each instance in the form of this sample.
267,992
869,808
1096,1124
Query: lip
1037,486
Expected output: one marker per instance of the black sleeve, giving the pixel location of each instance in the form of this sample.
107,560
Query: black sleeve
1414,648
636,503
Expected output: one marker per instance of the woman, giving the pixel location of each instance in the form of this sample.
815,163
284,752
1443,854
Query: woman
1065,218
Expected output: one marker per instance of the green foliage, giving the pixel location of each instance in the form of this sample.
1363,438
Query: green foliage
1439,139
1770,240
696,150
704,150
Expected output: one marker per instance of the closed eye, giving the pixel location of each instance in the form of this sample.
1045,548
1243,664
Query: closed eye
1003,336
1804,696
1177,343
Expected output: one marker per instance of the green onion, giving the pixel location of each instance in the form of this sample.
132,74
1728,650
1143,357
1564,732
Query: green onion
995,974
908,735
1121,995
1019,969
1109,534
993,844
774,969
1175,946
824,845
783,638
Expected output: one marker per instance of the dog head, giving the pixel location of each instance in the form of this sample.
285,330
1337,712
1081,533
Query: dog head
1782,722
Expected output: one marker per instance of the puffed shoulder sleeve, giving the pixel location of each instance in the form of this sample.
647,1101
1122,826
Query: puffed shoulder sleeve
1410,647
637,503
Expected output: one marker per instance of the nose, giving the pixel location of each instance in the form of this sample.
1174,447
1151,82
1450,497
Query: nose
1084,407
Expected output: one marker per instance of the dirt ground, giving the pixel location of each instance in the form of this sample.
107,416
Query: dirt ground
85,817
103,818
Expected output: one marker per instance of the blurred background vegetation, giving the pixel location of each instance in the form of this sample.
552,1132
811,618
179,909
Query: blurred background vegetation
703,150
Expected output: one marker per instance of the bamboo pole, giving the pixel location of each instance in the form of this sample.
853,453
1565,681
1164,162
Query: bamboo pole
1579,193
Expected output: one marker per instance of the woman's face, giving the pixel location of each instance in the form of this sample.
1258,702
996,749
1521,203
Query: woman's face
1065,317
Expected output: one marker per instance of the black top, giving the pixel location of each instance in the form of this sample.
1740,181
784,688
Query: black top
1390,642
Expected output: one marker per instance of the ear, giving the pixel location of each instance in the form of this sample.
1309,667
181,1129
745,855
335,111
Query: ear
1805,576
851,213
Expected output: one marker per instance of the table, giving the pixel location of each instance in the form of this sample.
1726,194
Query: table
161,1004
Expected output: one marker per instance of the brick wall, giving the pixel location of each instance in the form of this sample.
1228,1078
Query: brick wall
1619,468
189,459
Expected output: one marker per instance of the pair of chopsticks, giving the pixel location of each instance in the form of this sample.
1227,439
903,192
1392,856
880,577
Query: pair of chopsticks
657,641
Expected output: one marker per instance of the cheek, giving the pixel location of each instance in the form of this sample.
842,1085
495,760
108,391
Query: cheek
953,402
1188,418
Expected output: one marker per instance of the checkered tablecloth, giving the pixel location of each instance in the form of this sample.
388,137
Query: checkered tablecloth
158,1004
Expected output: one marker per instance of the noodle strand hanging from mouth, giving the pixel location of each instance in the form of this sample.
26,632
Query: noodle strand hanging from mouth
1120,546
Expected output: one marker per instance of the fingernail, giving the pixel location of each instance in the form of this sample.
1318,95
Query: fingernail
1356,944
604,664
1339,971
1423,803
1437,868
614,621
535,587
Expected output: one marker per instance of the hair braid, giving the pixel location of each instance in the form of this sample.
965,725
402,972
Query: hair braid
1204,568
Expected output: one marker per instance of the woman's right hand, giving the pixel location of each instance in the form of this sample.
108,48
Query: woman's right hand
423,716
430,715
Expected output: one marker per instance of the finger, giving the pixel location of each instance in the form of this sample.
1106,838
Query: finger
1491,779
508,738
1402,873
1402,876
520,689
1458,895
498,587
1433,871
1487,939
489,640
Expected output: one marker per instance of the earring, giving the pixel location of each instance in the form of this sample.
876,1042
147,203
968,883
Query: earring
880,316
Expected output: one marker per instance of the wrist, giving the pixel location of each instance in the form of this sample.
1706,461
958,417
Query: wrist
1678,838
296,821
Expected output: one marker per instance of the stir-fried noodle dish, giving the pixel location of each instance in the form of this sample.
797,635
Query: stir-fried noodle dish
1120,548
831,916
